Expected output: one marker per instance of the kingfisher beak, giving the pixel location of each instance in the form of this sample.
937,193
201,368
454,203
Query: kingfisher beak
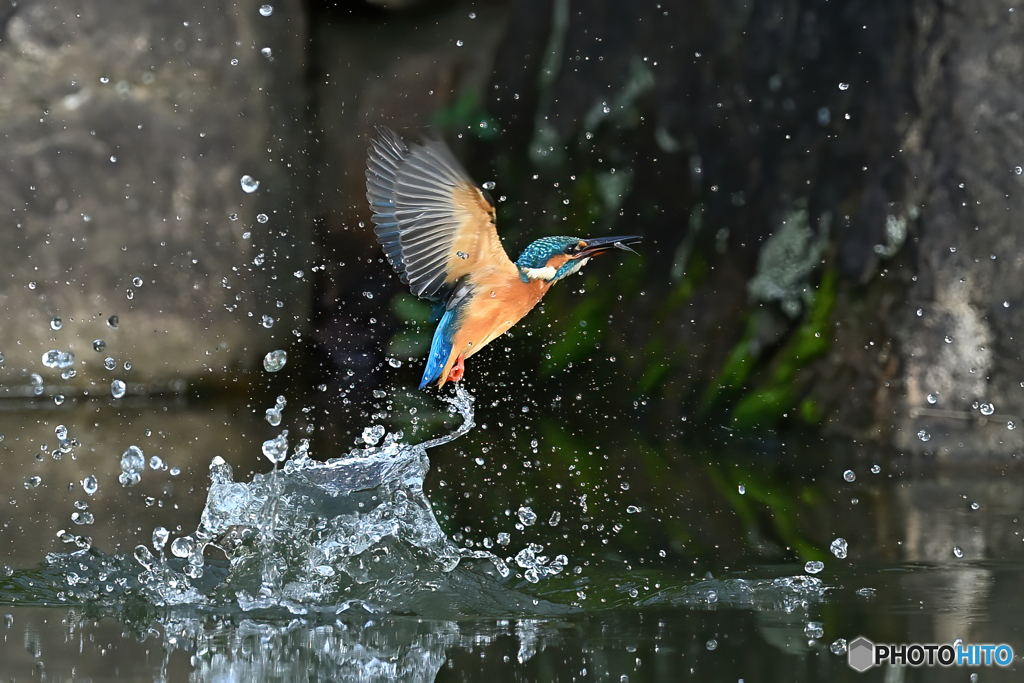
602,245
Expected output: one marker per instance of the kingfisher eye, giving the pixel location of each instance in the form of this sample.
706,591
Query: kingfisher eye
574,249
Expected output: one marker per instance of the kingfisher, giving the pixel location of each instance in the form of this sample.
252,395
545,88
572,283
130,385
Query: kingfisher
437,228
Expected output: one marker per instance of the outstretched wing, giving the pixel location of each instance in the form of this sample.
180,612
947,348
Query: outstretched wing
434,223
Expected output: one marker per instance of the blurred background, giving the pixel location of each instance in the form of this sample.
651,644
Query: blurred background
813,358
826,303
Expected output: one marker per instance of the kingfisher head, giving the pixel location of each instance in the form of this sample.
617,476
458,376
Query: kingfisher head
552,258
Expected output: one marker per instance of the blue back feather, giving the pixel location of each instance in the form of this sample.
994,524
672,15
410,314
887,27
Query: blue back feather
440,347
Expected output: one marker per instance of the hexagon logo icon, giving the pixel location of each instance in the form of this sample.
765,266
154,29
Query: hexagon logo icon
860,654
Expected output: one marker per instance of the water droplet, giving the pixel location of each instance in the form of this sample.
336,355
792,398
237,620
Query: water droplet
838,548
987,409
266,10
844,86
33,482
462,255
924,436
80,518
157,463
371,436
947,339
527,516
90,485
275,360
814,567
98,345
58,359
838,646
1010,425
113,322
56,324
814,630
59,399
555,518
262,218
848,475
233,62
267,322
182,546
160,536
104,79
144,557
741,489
712,644
933,399
458,43
117,388
875,469
276,449
504,538
133,459
957,551
266,52
130,294
394,362
133,463
249,184
490,185
633,509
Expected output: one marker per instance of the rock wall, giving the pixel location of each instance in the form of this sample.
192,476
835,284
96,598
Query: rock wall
125,132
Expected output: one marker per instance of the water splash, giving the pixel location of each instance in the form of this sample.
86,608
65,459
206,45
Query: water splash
355,529
356,533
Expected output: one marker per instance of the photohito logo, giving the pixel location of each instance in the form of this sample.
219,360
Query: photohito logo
862,654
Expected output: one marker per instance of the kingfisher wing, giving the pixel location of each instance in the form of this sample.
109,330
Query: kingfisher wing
434,223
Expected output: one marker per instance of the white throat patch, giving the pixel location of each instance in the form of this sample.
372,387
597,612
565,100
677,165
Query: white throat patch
575,268
545,273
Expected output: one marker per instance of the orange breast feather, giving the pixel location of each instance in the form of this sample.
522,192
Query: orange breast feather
499,303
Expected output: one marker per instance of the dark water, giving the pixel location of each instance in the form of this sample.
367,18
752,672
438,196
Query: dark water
696,568
771,638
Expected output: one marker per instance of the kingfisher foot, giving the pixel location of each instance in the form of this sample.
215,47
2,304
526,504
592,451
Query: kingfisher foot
458,370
